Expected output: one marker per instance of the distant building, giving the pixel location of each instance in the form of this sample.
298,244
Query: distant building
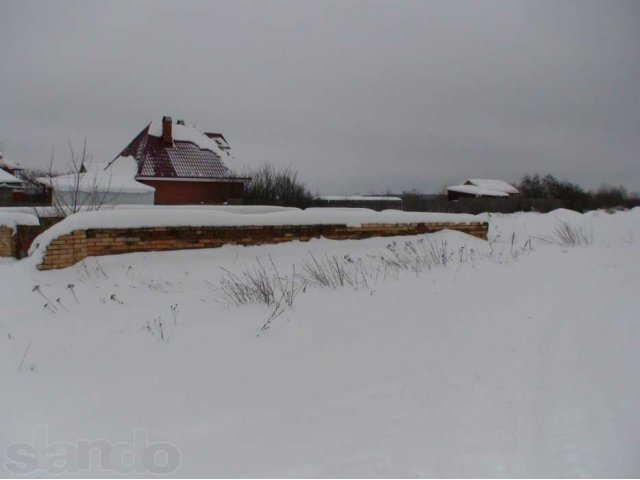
487,188
99,185
183,164
9,165
11,187
373,202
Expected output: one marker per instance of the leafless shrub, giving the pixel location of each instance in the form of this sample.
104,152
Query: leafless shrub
568,235
71,287
365,273
329,271
157,328
174,313
261,284
277,311
36,289
253,286
264,284
417,257
334,271
87,270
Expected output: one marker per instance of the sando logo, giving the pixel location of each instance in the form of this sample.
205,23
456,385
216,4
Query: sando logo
139,457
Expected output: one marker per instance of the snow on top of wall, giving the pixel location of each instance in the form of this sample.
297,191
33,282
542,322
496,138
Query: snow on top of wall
358,198
51,211
117,178
475,190
13,219
493,184
187,133
184,217
6,177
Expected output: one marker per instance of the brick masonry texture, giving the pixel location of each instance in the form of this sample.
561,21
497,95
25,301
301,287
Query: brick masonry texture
185,193
16,244
26,234
7,242
66,250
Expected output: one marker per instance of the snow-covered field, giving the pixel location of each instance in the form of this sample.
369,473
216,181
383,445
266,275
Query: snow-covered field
514,357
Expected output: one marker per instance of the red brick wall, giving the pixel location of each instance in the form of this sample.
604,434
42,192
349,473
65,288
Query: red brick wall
26,234
194,193
66,250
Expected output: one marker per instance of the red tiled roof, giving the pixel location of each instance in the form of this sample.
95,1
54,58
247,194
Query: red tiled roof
183,159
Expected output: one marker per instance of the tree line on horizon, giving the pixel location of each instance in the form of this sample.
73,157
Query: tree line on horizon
282,186
576,197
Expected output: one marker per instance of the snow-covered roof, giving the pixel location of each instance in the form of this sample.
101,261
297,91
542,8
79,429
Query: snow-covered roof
12,219
477,191
9,164
220,140
492,184
359,198
7,178
118,177
187,133
191,154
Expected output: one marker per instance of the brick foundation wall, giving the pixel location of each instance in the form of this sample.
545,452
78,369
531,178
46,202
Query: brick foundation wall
66,250
7,242
26,234
17,244
194,193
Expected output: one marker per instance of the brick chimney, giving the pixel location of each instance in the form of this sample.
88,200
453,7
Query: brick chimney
167,135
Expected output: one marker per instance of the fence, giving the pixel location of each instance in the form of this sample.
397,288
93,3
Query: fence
66,250
424,203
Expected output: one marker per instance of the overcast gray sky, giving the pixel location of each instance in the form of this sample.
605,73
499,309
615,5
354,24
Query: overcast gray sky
360,97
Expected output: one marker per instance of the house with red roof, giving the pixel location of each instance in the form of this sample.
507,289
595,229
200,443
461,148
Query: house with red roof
183,164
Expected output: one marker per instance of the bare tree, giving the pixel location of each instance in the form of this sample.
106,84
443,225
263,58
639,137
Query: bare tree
32,180
81,190
277,186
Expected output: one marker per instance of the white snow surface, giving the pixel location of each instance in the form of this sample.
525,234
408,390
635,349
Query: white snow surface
12,219
475,190
179,217
6,177
8,163
187,133
493,184
521,361
242,209
358,198
118,177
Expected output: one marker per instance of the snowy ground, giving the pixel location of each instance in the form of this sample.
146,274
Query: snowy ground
516,358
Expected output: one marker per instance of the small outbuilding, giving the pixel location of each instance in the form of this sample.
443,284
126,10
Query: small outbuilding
112,184
9,165
482,188
11,187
